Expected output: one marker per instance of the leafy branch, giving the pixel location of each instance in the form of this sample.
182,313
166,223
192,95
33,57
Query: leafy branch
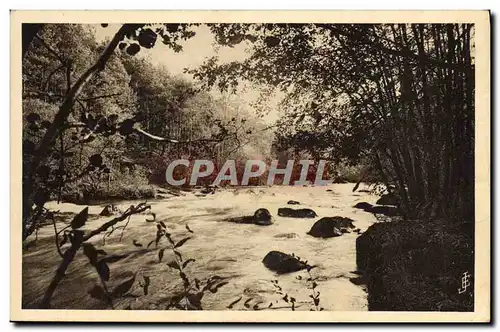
78,239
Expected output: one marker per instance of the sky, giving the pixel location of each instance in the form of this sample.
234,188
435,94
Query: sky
195,51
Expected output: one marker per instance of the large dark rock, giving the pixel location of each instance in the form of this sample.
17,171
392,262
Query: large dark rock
388,199
107,211
298,213
280,262
406,266
362,205
261,217
331,227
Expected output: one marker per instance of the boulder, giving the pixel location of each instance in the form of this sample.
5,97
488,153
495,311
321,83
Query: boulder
362,205
331,227
293,203
262,217
388,199
281,263
107,211
298,213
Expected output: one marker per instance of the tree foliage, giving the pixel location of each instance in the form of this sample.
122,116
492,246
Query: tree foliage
399,95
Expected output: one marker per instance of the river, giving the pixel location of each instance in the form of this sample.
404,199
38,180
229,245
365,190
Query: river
229,250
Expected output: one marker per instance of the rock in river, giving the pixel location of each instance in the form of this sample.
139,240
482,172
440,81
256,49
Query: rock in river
261,217
299,213
362,205
388,199
280,262
331,227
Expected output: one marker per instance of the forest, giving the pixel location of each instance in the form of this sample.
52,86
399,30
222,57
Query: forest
387,105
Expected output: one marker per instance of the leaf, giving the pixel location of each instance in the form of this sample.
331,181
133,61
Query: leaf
64,239
33,117
189,230
169,238
231,305
195,300
91,253
137,244
181,242
178,254
285,298
113,258
160,254
147,38
76,237
158,238
246,304
80,219
270,305
123,288
187,262
147,282
272,41
133,49
300,118
163,224
103,270
95,160
150,243
97,292
174,265
127,126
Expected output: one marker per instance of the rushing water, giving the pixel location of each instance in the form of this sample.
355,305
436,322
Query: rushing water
232,251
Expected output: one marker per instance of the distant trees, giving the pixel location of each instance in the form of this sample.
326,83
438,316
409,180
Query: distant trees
400,96
99,122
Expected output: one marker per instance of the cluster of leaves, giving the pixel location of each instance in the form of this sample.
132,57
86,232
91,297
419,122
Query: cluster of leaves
146,35
193,288
101,265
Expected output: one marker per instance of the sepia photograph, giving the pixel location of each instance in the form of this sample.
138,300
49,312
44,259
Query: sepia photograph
250,166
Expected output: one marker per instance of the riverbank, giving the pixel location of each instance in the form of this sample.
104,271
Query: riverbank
417,266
